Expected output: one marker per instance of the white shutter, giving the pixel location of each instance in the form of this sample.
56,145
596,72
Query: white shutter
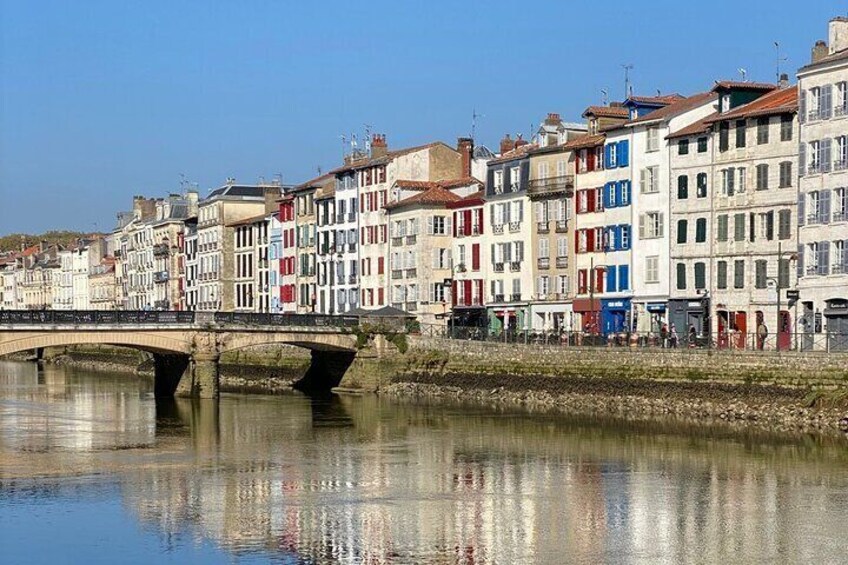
660,228
642,187
642,226
448,230
430,225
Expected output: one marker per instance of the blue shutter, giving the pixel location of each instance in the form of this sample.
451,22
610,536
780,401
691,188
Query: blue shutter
625,198
623,153
617,194
624,277
611,272
625,228
609,195
801,204
607,156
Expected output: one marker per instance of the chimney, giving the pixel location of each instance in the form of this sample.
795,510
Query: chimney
192,197
465,146
378,146
519,141
784,80
838,34
819,51
553,119
507,144
272,194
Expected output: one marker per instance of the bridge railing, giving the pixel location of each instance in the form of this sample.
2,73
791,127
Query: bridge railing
299,320
94,317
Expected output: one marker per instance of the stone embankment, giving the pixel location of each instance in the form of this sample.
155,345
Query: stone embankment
776,391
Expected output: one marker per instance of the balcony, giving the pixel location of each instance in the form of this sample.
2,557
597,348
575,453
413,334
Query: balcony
497,229
554,185
499,267
460,268
840,110
543,227
813,115
840,165
340,218
411,273
411,239
498,298
351,248
411,306
460,230
543,263
514,227
515,266
840,216
397,274
562,262
351,217
515,297
351,279
161,277
475,229
397,241
561,226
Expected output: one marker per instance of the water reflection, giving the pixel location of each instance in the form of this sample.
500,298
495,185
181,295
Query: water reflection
353,480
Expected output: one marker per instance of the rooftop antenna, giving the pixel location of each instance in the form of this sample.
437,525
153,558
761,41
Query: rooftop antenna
627,88
743,73
605,96
474,116
779,60
344,145
367,138
318,168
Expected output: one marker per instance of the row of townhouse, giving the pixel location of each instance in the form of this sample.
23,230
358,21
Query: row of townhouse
714,213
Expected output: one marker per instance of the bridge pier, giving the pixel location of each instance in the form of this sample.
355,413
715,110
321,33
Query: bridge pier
200,379
325,371
168,372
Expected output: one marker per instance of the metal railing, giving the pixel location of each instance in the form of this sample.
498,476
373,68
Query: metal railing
563,183
297,320
824,342
95,317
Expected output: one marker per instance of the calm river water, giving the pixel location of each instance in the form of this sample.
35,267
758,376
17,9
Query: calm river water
92,470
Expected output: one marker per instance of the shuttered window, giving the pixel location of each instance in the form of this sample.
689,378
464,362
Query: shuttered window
739,274
681,276
700,275
721,275
701,230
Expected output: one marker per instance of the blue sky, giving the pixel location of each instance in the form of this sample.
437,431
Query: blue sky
100,100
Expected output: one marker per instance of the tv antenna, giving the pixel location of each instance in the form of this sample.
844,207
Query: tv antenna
367,138
742,72
474,116
605,96
779,60
627,88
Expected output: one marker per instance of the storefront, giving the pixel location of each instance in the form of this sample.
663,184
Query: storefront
513,318
587,313
551,317
836,320
686,314
649,317
469,317
615,316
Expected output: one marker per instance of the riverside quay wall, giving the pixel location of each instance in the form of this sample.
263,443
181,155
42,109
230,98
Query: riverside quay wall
775,390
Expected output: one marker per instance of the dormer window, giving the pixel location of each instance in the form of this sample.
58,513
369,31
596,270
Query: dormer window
593,126
725,102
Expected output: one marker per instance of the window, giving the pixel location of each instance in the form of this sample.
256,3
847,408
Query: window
683,147
739,274
786,123
562,247
762,130
721,275
700,275
760,280
701,185
498,179
815,157
651,225
701,230
841,162
740,133
624,231
739,227
682,227
438,292
438,225
652,270
649,181
742,183
762,177
722,228
611,155
728,182
653,143
441,258
681,276
514,179
543,285
841,99
702,145
785,174
544,249
682,187
783,273
784,224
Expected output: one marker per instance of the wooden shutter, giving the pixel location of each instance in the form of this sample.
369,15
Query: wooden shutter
475,256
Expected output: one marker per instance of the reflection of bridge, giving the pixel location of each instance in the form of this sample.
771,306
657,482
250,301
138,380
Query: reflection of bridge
186,346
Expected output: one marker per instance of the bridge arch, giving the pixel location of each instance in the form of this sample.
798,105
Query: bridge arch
330,342
17,341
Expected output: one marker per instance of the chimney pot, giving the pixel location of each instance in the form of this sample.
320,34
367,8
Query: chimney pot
819,51
379,148
507,144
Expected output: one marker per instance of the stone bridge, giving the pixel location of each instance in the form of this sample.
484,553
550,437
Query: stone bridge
186,346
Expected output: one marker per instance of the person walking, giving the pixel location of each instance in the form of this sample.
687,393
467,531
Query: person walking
762,334
674,336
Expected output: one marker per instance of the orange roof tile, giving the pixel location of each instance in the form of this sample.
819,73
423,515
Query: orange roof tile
585,141
678,107
725,84
516,153
435,195
607,112
780,101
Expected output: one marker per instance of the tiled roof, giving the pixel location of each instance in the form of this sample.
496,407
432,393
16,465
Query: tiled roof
415,184
474,199
725,84
781,101
662,99
314,183
248,221
327,191
833,57
427,184
677,107
607,111
462,181
517,153
434,195
586,141
701,126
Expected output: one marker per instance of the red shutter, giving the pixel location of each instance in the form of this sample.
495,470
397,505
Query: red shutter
599,279
380,264
468,293
480,219
479,291
380,296
385,230
590,159
590,240
475,257
455,226
590,200
467,220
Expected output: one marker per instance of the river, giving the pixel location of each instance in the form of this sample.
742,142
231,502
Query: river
93,470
